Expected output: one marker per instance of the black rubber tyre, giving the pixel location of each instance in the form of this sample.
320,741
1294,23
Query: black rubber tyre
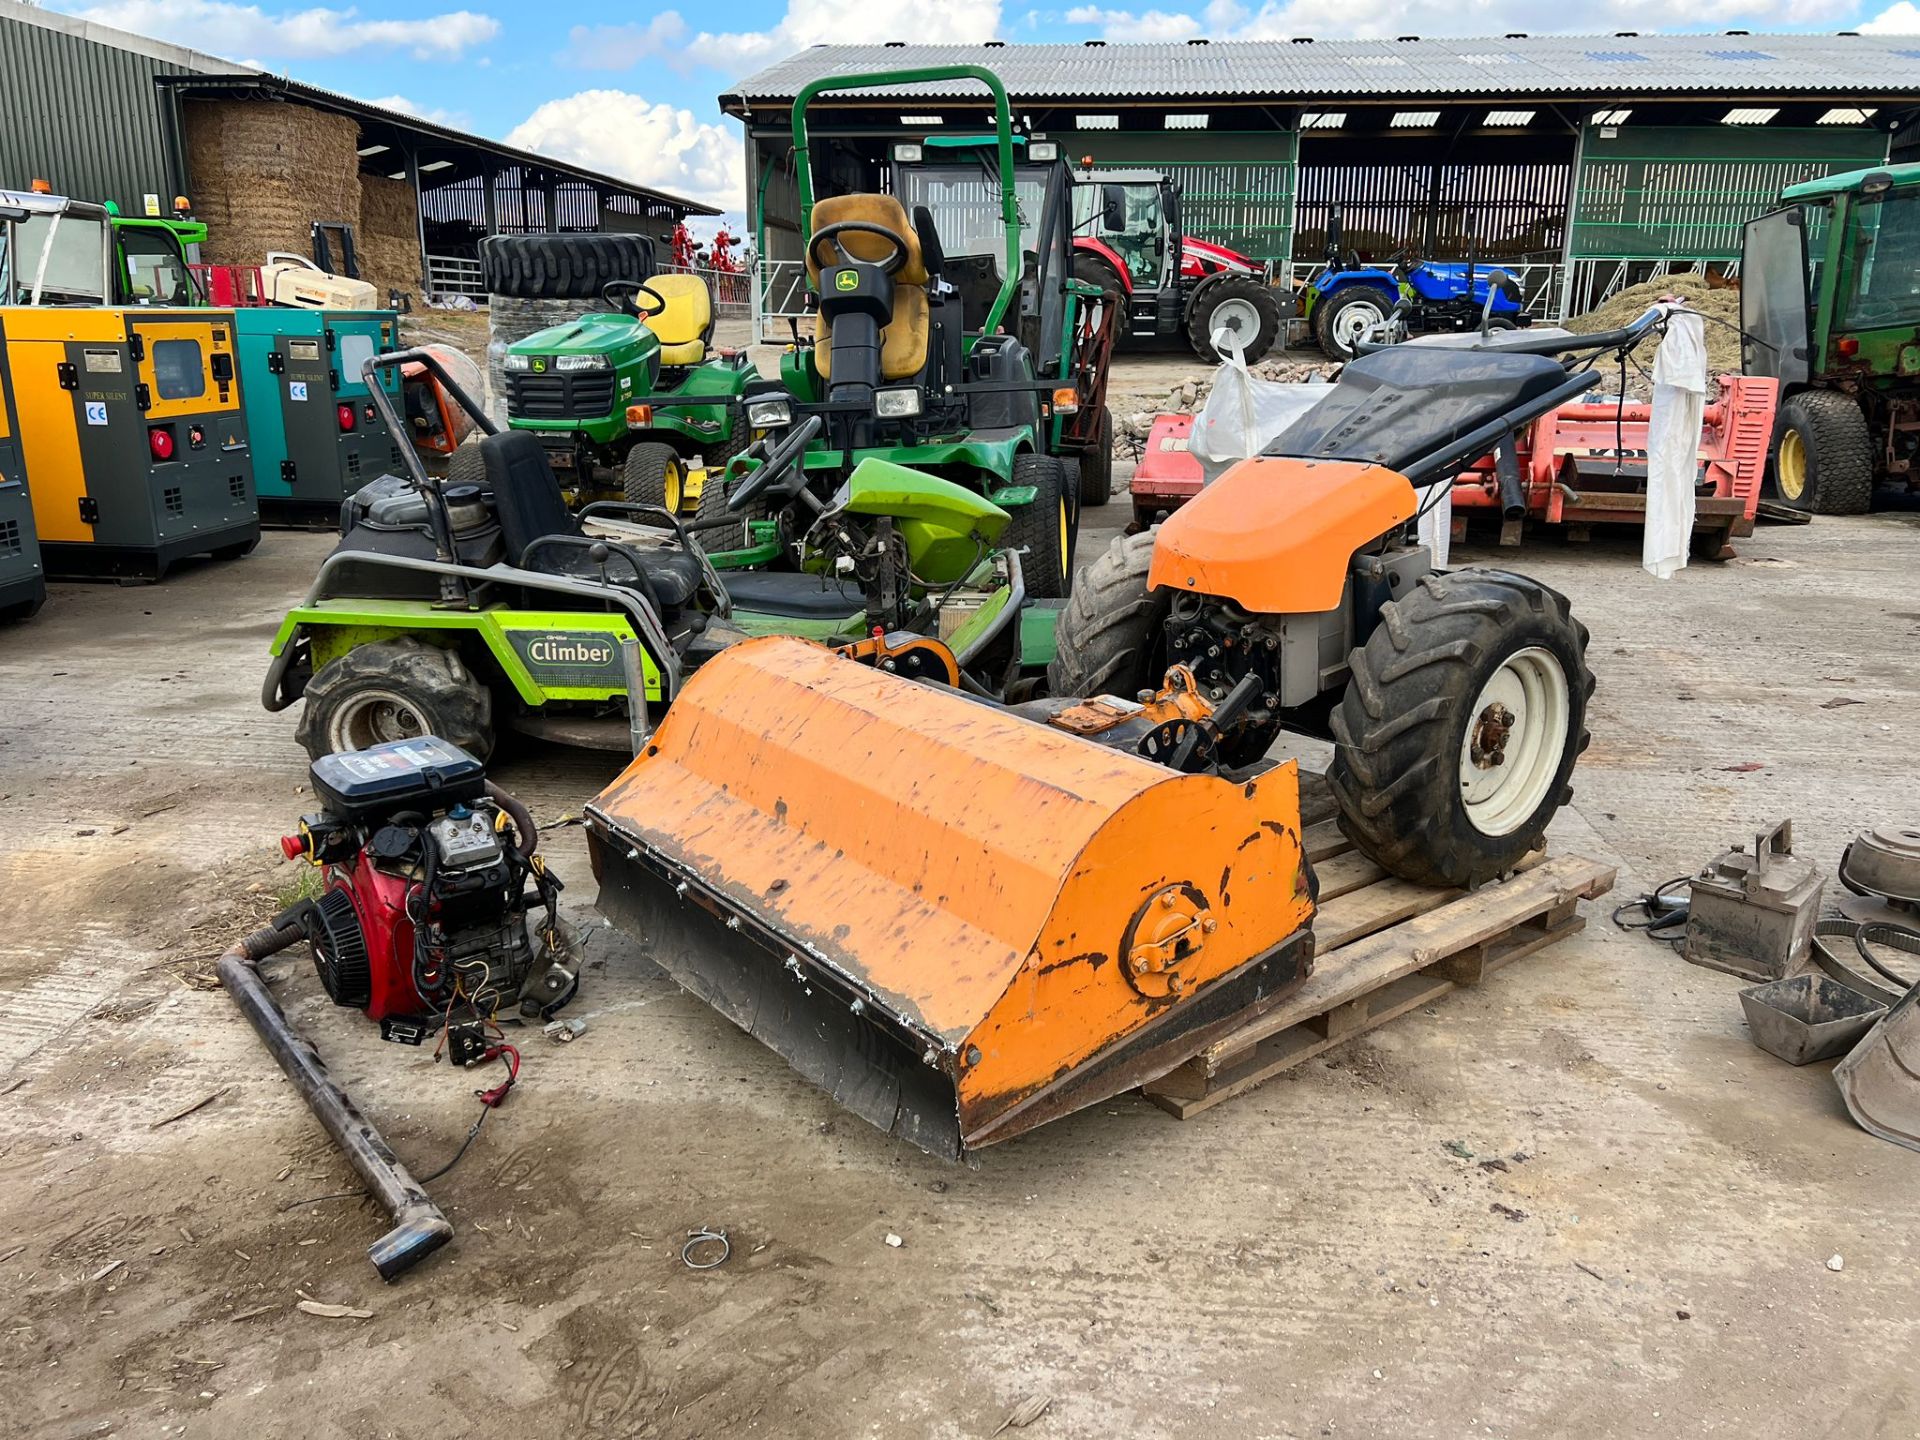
1096,463
650,471
1326,316
466,466
1420,684
1827,467
1043,529
391,689
1092,270
1111,637
560,267
1237,292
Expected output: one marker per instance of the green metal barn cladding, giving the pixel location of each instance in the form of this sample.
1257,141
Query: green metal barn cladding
1583,163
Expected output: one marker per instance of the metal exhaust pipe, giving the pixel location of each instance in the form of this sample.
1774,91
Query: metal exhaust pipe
419,1228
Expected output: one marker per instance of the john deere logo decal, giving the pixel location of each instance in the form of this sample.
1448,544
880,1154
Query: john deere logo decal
540,363
847,280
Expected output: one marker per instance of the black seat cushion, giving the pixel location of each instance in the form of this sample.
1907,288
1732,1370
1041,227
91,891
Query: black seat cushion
790,593
1397,405
674,574
526,493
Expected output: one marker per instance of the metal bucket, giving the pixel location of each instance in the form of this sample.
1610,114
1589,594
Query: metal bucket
1808,1017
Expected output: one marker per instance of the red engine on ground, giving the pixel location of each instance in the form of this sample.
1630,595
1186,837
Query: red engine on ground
424,914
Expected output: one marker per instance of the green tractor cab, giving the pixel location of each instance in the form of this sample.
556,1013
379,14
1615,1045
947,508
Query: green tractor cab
459,607
1830,307
950,334
610,391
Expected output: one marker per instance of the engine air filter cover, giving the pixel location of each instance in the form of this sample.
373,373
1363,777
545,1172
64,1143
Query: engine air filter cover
423,773
340,951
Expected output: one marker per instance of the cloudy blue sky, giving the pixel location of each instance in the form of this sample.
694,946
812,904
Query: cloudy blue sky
632,92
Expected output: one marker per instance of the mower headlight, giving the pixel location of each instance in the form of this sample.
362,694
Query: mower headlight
516,362
1044,150
901,403
907,154
770,413
582,362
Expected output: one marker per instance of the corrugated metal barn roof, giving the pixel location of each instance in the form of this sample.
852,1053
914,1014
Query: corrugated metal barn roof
1546,65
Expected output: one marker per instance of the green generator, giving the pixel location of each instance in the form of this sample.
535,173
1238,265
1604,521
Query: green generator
317,435
23,583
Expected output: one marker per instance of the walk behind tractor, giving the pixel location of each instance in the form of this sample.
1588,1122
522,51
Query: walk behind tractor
596,390
951,336
462,606
1348,300
1128,241
966,919
1830,303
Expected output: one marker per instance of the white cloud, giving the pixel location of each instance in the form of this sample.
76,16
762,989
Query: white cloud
1336,19
1901,19
1122,25
806,22
452,119
221,26
624,135
615,47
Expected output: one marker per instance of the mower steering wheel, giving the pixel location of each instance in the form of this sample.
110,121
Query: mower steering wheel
618,293
781,458
830,234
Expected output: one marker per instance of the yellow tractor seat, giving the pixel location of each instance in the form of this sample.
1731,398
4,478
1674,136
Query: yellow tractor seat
903,343
684,323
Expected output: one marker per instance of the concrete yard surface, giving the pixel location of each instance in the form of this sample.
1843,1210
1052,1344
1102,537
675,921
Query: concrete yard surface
1574,1201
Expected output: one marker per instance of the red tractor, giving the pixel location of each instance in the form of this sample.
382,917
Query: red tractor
1127,240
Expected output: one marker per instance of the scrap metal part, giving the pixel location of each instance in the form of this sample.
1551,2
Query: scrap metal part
419,1228
1880,1080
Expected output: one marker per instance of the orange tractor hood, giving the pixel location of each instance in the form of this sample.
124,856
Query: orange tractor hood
1277,535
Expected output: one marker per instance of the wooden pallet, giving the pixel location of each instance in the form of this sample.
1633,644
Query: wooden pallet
1384,946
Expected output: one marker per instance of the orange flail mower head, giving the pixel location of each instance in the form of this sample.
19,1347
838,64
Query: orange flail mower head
961,922
1277,535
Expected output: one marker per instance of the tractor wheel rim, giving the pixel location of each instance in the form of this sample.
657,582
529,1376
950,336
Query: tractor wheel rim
1238,318
374,717
1791,466
1066,547
1516,736
674,487
1354,321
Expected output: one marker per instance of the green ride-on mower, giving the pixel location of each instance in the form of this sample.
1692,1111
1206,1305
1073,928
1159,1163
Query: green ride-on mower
457,607
593,391
951,336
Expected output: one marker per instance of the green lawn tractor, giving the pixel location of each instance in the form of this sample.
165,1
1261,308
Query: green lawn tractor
1830,303
459,607
951,335
591,391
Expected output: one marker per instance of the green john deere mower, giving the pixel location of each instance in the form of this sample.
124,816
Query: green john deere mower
463,606
594,390
950,334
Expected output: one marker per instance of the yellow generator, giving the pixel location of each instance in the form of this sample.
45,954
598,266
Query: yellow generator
23,584
132,429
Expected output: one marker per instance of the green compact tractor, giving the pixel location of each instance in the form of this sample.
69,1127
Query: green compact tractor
591,390
951,335
1830,303
459,607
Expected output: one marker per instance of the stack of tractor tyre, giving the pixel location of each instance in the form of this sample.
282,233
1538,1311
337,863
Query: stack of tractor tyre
537,281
